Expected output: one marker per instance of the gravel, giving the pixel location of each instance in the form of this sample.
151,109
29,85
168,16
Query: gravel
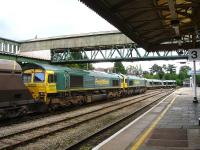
63,139
42,121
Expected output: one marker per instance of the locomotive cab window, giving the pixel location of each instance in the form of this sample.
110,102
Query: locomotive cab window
26,77
51,78
39,77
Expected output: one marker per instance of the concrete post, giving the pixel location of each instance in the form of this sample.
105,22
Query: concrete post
194,84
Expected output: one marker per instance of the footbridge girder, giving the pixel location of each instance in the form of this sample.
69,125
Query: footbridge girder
126,52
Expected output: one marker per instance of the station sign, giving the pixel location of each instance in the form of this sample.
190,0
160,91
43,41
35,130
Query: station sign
194,54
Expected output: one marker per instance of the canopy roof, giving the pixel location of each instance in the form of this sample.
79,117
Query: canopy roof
155,25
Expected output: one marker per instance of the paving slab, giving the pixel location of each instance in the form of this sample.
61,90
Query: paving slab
177,129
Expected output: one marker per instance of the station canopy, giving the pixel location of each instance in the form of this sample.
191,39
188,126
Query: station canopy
155,25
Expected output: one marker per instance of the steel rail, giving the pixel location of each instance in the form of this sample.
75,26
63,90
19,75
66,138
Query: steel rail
19,142
77,115
99,131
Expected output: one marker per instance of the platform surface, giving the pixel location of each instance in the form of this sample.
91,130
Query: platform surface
171,125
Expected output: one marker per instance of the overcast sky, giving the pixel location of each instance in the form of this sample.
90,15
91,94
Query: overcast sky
24,19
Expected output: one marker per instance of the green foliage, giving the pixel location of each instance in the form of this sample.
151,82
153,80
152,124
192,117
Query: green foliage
78,55
198,80
184,69
147,75
167,76
157,71
171,69
119,68
183,73
169,73
179,82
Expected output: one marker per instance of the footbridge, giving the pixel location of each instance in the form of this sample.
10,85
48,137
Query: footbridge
113,53
9,46
9,49
107,46
97,47
76,41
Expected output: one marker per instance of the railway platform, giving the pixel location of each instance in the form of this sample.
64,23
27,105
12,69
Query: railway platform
172,124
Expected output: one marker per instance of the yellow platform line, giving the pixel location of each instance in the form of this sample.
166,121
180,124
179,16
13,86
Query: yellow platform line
144,136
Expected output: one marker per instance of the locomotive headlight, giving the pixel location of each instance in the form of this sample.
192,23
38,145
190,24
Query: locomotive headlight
41,93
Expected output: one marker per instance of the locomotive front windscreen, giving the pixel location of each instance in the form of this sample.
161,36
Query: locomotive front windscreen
39,77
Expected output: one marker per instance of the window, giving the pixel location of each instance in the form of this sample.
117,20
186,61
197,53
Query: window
26,78
131,83
115,82
51,78
39,77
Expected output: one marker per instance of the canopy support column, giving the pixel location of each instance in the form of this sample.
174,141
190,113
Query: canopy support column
194,84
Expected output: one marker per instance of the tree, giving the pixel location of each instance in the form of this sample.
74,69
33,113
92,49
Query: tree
169,73
184,69
145,72
157,70
77,55
198,80
148,75
183,73
134,70
171,69
119,68
167,76
164,68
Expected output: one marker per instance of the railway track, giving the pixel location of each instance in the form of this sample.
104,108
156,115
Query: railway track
24,136
100,131
37,116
